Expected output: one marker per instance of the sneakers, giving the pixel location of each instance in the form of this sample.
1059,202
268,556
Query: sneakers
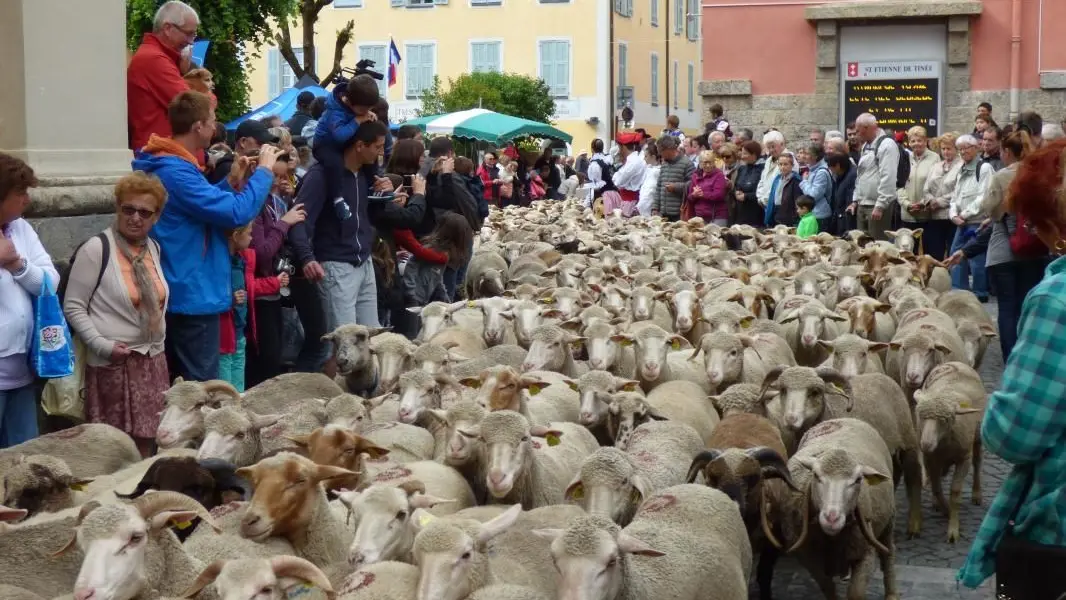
341,208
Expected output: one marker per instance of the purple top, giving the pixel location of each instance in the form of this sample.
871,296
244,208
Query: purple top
268,235
712,205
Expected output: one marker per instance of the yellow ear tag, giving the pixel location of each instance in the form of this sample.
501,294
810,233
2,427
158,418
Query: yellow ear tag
629,387
552,439
471,304
636,497
547,300
625,343
183,524
745,324
578,493
676,345
426,519
573,386
534,390
965,405
78,487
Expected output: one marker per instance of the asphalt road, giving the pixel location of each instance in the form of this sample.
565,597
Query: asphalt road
925,566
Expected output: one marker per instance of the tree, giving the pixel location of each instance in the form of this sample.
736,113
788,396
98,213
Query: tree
232,26
506,93
307,11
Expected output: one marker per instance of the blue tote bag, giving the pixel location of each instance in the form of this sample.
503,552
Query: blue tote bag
52,350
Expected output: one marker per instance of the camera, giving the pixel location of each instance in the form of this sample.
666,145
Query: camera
284,265
363,67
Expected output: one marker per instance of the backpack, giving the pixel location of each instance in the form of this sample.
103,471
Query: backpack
607,174
903,166
1024,244
105,256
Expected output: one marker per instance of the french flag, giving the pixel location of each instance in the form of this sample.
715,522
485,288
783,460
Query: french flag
394,62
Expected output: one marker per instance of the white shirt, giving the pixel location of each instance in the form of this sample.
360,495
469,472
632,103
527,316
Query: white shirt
631,175
647,189
16,304
595,173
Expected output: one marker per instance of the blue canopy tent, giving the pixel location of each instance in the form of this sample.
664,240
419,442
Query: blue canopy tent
283,106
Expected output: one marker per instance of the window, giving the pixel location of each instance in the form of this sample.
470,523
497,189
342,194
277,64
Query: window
486,57
421,66
281,77
555,66
654,79
654,13
555,1
347,3
679,15
419,3
624,7
623,63
675,94
379,54
691,87
692,20
486,2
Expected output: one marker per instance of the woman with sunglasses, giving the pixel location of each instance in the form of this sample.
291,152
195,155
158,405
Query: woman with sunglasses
115,302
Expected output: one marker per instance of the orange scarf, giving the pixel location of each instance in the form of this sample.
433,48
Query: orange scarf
162,146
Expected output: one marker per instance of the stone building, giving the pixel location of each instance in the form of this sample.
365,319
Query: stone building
818,63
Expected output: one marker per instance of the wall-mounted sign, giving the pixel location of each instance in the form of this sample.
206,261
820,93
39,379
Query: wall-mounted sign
901,94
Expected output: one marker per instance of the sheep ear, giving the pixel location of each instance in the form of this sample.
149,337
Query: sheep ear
896,346
877,347
825,345
550,435
372,403
471,382
873,476
631,545
327,472
346,496
942,348
439,414
417,310
427,501
626,385
641,489
987,330
331,337
299,440
204,579
570,383
498,524
549,534
178,379
182,519
369,448
965,410
263,421
421,517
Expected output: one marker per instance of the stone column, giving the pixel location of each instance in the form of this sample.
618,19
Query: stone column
63,110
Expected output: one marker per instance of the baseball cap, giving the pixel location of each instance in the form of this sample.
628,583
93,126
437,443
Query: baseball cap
257,131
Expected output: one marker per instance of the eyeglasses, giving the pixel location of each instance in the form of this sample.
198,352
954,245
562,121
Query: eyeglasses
143,213
188,34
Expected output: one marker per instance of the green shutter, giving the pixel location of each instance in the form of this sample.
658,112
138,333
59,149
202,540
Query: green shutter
273,74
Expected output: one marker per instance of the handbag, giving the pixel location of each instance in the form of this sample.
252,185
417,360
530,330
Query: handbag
1027,570
51,352
65,396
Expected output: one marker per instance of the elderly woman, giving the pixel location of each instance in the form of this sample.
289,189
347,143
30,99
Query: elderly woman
913,210
747,210
966,213
938,231
115,301
24,266
707,191
1025,420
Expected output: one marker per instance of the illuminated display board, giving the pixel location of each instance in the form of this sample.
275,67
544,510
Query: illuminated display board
900,94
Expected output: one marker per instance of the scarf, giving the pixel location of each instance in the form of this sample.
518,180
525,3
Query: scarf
161,146
150,313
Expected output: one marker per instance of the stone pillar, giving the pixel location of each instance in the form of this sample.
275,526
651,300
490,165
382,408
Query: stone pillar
63,110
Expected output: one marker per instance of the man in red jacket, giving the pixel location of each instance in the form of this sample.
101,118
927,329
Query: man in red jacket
153,77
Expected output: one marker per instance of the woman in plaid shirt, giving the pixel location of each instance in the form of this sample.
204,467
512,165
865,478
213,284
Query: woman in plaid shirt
1025,422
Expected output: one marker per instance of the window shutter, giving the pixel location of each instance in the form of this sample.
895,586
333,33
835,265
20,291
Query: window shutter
691,85
679,15
440,1
496,57
675,94
654,13
397,3
273,74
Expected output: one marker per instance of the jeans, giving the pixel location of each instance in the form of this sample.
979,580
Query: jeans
960,274
231,366
264,359
306,297
350,294
192,346
18,415
937,235
1013,281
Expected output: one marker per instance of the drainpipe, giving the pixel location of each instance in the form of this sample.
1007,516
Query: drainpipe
666,80
612,93
1015,56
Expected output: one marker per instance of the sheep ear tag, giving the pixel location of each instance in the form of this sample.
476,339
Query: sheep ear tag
425,519
534,390
471,304
676,345
298,591
965,405
181,524
552,439
78,487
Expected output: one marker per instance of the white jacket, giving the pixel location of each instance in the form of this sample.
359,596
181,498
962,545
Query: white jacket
647,190
631,175
970,191
17,293
875,182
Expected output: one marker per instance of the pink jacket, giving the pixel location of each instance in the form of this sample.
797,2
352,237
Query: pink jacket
712,204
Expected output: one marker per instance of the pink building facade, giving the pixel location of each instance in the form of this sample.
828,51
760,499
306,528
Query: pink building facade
795,65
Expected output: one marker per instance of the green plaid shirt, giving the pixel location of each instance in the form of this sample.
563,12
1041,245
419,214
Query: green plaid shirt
1025,424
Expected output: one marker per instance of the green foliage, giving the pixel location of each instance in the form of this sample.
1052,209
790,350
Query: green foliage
506,93
232,26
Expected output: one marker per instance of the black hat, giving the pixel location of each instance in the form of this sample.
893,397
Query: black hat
305,99
257,131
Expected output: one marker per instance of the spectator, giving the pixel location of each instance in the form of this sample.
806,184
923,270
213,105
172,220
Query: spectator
464,168
27,264
692,150
191,231
409,132
844,172
651,180
965,212
115,301
153,77
336,251
818,185
990,142
446,192
507,169
673,127
718,122
816,136
347,108
747,210
302,116
980,124
1024,420
984,109
269,232
773,144
729,154
808,225
914,211
546,165
744,135
272,121
707,190
939,231
424,281
630,175
854,143
600,171
489,173
875,183
674,177
781,209
318,108
381,112
250,138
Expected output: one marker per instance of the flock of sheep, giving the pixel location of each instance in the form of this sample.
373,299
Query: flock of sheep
621,410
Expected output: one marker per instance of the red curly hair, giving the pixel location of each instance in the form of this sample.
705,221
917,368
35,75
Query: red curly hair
1037,192
15,176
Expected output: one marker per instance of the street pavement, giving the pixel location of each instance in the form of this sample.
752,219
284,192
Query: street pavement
925,566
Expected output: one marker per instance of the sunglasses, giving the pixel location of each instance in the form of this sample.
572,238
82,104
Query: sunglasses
143,213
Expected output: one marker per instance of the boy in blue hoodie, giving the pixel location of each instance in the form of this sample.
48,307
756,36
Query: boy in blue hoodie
346,109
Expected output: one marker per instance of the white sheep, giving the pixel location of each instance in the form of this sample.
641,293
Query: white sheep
851,355
485,275
974,325
732,358
807,320
656,364
550,351
90,449
924,339
262,579
680,401
595,389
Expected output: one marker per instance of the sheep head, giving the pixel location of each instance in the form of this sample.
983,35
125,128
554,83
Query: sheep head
802,393
507,436
233,434
393,352
550,348
595,390
627,411
738,473
385,531
608,485
182,422
848,353
338,447
40,483
351,347
260,578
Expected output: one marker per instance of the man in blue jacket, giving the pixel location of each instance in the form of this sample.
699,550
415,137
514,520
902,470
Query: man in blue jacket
193,229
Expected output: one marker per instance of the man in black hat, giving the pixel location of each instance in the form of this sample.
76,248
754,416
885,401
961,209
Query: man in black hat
303,113
251,135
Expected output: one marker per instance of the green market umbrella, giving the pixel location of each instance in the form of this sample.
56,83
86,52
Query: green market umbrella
487,126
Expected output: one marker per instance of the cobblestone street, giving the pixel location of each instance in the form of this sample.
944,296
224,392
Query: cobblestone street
925,566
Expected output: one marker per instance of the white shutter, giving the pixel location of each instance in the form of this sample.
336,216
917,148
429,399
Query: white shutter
691,85
654,79
675,94
273,76
560,67
495,60
623,63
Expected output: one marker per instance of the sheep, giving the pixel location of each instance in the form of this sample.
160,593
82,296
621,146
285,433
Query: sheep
567,300
933,273
754,299
924,339
697,527
550,351
973,323
339,447
435,316
656,364
730,358
26,552
40,483
506,591
89,450
905,239
485,275
868,318
285,393
644,306
874,398
604,354
843,467
182,423
849,284
289,503
419,390
842,252
387,580
728,317
8,592
613,483
495,327
357,372
907,298
463,448
393,353
515,472
547,397
466,342
680,401
807,320
851,355
684,303
741,398
595,389
527,315
950,408
234,435
262,579
505,354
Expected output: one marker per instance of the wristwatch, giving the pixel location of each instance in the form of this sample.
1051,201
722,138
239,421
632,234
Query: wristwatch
22,268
